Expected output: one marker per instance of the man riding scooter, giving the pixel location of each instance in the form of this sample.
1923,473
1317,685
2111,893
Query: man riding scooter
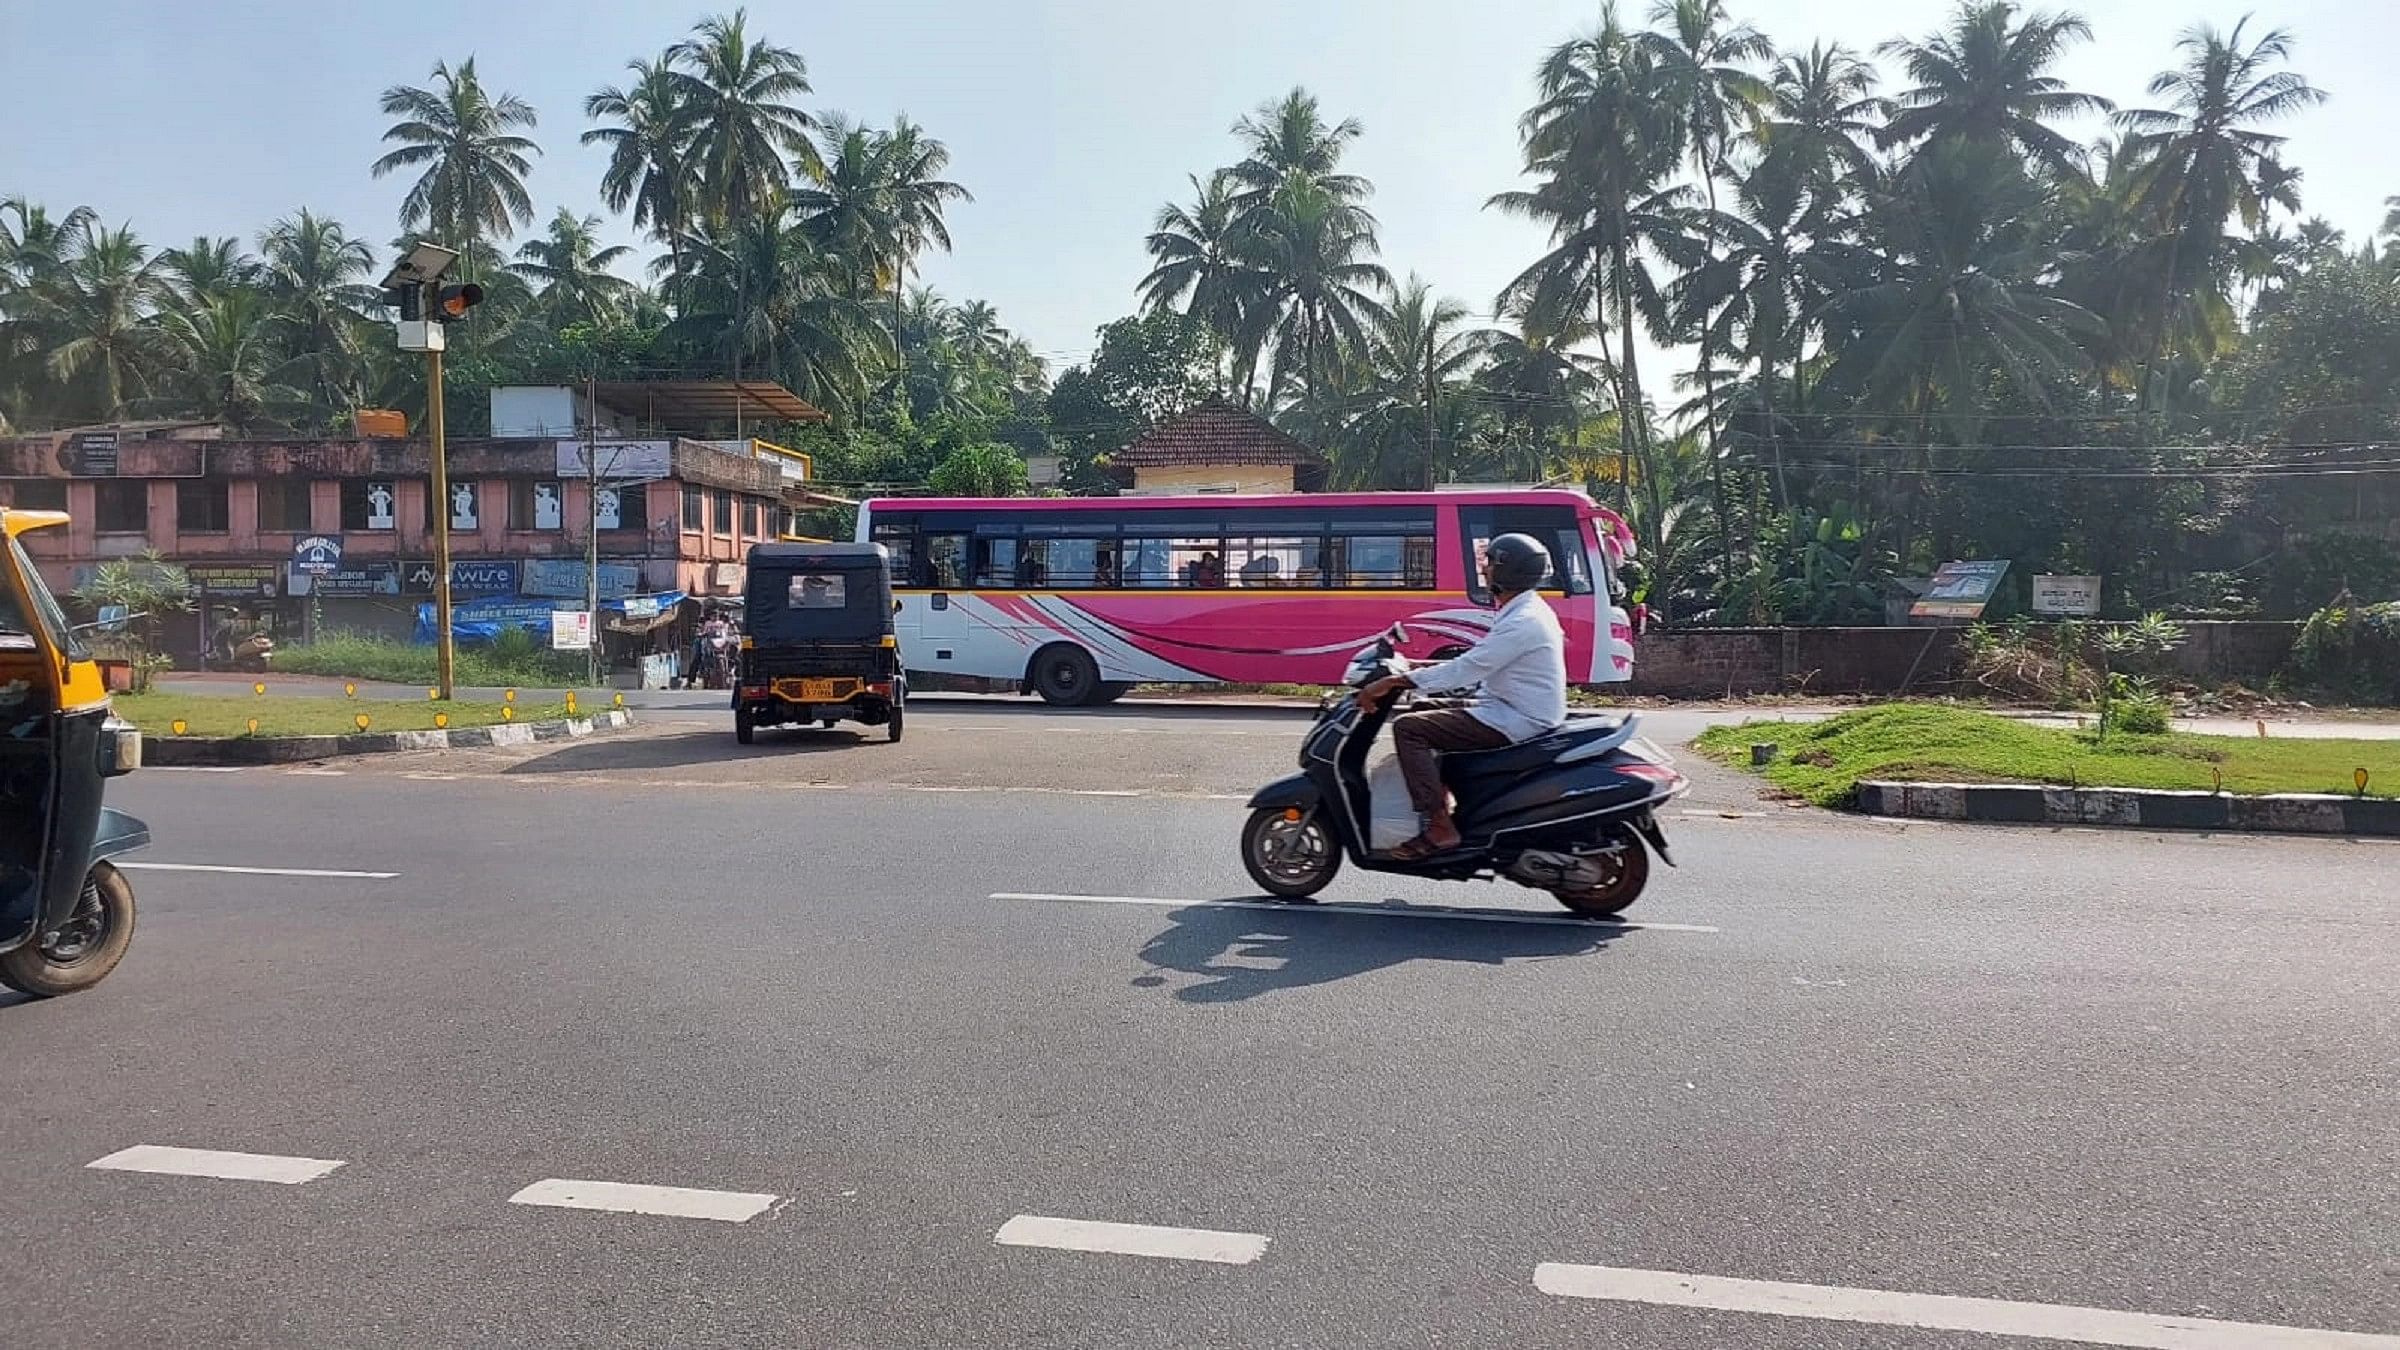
1519,670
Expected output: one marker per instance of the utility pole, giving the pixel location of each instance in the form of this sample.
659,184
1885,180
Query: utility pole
445,655
591,528
424,308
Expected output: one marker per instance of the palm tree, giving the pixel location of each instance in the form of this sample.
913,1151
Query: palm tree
1702,60
95,315
1951,297
1756,295
570,272
1824,115
1411,351
1318,284
1289,139
1193,247
2204,162
207,269
1600,141
1986,80
226,364
473,187
735,98
912,166
646,148
315,274
849,209
763,295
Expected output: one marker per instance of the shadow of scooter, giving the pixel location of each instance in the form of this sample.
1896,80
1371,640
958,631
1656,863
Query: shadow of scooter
1319,944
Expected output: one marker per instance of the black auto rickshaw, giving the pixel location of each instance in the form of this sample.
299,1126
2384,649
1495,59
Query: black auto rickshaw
66,914
818,644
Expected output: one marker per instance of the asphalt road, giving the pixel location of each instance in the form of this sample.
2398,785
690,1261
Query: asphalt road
2153,1078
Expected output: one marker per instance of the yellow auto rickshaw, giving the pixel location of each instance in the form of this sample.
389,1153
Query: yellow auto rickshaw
66,914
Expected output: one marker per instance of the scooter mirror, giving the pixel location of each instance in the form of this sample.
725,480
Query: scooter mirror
1397,637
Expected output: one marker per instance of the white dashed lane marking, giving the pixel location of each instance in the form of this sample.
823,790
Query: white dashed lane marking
1366,911
1940,1312
210,1162
618,1197
255,871
1131,1239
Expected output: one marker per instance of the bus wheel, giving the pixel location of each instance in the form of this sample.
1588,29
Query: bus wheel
1065,676
1111,691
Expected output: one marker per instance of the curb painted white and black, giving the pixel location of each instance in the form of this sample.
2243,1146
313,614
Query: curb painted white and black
2133,808
196,752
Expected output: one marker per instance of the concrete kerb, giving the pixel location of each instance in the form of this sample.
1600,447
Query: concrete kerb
203,752
2133,808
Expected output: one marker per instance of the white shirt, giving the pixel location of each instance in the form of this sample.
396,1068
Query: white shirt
1521,665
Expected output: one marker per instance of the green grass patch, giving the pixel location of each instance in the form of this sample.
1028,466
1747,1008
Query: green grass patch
1919,743
513,660
205,715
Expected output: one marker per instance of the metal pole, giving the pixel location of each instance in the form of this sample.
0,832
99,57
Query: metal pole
591,529
445,657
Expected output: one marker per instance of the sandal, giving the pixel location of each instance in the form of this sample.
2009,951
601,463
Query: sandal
1418,849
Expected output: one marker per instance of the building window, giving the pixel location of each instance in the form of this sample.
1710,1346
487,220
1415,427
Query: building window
201,507
41,494
633,507
758,520
367,504
122,506
534,505
724,513
283,506
695,509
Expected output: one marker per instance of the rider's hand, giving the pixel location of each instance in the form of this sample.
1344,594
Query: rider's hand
1374,695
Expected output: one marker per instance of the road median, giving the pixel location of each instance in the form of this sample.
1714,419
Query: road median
172,751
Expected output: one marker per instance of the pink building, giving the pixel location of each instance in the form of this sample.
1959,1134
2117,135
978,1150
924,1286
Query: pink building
674,514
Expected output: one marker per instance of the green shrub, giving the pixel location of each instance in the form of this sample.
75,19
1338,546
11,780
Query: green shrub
2135,708
501,664
2352,651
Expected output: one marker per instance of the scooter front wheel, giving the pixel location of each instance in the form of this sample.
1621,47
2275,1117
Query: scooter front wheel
1289,852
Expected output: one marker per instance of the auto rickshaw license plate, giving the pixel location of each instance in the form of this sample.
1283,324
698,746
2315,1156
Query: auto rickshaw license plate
819,691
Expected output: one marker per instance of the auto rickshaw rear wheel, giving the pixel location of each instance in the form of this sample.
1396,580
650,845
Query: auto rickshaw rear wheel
897,722
82,951
745,727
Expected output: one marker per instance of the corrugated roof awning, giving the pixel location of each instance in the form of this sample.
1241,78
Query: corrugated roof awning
698,405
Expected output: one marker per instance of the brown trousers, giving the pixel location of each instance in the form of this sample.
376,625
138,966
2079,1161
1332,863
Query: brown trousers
1419,737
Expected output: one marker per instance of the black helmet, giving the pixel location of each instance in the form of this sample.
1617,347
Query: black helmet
1516,562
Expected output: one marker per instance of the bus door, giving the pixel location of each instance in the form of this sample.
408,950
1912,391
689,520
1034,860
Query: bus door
941,619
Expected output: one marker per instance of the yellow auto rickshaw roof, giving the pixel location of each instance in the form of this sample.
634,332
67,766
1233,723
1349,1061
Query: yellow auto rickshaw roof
14,522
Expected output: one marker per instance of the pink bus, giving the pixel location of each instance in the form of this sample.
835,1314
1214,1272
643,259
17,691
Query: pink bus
1079,598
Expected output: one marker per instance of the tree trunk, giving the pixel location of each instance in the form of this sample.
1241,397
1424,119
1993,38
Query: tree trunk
1708,404
1633,421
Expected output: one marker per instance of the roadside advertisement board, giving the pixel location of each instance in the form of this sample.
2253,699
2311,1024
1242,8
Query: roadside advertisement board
1960,590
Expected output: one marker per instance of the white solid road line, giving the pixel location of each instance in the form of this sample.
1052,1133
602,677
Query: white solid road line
254,871
675,1202
1131,1239
209,1162
1940,1312
1369,911
194,768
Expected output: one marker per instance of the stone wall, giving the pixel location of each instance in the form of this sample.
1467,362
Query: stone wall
1738,662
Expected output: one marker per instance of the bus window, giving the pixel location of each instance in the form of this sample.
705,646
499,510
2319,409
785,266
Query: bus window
1197,563
999,570
1556,528
899,538
1384,562
1275,562
946,561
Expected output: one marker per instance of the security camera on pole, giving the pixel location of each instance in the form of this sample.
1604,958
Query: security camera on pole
425,307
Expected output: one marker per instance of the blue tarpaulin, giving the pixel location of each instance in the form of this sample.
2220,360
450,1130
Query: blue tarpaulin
482,620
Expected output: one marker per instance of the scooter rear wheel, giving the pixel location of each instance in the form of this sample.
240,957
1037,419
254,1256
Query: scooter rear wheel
1628,871
1290,858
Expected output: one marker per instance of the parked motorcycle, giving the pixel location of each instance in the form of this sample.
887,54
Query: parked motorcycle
1573,813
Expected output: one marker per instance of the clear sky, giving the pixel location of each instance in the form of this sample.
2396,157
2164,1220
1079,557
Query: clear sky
1071,120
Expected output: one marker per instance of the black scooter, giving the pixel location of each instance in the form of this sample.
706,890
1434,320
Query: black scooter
1569,813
